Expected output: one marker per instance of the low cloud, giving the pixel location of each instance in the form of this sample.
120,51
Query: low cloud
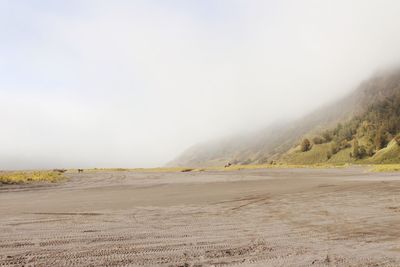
134,83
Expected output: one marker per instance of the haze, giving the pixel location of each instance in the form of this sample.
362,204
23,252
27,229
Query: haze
134,83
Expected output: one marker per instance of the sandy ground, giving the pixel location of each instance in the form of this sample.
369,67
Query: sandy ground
273,217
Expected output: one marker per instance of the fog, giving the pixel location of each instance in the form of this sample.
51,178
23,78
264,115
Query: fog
135,83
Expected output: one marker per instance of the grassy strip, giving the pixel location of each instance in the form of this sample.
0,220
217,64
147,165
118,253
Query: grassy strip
29,176
281,166
172,169
385,168
373,167
230,168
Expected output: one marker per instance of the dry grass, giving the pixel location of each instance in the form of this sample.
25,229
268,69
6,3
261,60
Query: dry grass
280,166
29,176
172,169
385,168
221,168
230,168
374,168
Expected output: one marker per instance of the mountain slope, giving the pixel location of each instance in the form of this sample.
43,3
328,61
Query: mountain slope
370,136
370,113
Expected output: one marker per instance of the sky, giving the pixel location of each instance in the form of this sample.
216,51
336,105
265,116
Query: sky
93,83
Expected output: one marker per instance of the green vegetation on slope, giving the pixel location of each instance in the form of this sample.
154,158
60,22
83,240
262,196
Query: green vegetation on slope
316,154
371,136
356,129
387,155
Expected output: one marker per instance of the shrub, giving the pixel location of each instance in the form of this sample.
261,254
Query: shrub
327,136
359,152
329,155
318,140
362,152
305,145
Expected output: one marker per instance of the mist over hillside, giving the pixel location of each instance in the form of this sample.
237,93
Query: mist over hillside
336,132
132,84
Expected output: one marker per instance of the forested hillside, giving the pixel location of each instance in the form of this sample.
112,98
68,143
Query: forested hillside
362,127
368,136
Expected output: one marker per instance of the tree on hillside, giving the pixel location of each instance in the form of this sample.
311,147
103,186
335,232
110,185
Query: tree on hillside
355,149
380,140
359,151
318,140
327,136
305,145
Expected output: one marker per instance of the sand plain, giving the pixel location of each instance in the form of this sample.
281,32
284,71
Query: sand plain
265,217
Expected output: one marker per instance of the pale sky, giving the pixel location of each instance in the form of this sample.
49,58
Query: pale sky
134,83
